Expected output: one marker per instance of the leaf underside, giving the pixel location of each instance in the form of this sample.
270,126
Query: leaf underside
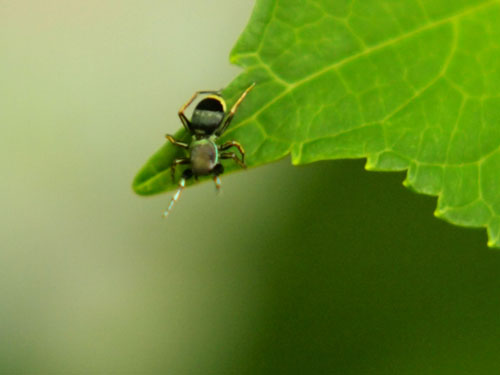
407,84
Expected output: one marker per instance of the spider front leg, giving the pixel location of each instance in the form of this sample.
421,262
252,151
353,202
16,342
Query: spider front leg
233,110
229,144
232,155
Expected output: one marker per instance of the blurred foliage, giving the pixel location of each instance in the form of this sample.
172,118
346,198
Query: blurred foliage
322,269
409,85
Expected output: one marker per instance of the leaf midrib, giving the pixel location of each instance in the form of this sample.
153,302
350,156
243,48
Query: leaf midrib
291,86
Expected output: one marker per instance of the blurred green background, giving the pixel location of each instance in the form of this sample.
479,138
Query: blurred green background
313,270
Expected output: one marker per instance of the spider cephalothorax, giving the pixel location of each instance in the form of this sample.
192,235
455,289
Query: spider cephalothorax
208,122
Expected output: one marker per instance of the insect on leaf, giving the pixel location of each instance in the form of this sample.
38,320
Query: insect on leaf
407,84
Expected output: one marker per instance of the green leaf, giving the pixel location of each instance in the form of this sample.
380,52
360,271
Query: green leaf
408,84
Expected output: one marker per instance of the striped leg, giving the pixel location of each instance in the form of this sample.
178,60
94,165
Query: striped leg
218,170
188,173
217,184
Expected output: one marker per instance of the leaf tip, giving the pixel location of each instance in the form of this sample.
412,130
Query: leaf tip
138,187
145,183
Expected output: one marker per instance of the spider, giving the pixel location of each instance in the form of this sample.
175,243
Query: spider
208,122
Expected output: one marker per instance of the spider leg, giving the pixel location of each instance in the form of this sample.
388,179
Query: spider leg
232,155
187,174
176,163
217,171
176,143
229,118
229,144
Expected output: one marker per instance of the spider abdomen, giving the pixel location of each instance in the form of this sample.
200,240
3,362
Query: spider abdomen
204,156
